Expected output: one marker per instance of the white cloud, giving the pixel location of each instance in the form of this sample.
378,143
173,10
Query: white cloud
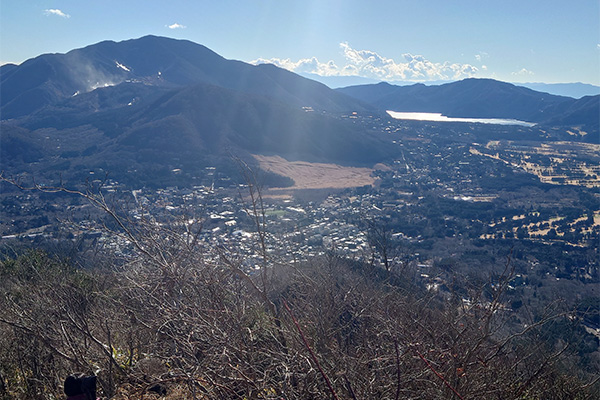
307,65
481,55
484,67
57,12
523,72
176,26
368,64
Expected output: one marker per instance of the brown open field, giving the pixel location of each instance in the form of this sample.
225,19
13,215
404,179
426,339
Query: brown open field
317,175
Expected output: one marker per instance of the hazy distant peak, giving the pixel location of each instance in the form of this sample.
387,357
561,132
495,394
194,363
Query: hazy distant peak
575,89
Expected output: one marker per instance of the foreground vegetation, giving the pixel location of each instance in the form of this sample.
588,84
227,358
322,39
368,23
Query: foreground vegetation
203,326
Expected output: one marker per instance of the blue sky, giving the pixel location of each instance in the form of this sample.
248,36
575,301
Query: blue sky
517,41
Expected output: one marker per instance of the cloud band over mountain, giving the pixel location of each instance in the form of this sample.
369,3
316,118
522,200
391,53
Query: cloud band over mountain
369,64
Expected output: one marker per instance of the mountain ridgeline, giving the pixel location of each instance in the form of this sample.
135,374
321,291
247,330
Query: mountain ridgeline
143,107
482,98
156,61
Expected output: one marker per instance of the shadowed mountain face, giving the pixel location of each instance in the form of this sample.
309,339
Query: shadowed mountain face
208,118
481,98
584,112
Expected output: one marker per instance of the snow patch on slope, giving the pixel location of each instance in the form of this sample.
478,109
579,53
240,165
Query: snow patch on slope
123,67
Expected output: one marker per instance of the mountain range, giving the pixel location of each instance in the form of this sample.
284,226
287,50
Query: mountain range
155,103
482,98
143,107
575,90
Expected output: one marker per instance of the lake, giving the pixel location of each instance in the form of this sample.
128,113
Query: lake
438,117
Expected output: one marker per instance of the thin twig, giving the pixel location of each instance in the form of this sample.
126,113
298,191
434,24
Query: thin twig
397,369
349,387
439,375
312,354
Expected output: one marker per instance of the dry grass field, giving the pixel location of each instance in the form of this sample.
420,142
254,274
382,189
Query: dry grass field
308,175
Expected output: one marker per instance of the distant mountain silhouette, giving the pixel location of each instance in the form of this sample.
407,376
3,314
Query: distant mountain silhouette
481,98
576,90
156,61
